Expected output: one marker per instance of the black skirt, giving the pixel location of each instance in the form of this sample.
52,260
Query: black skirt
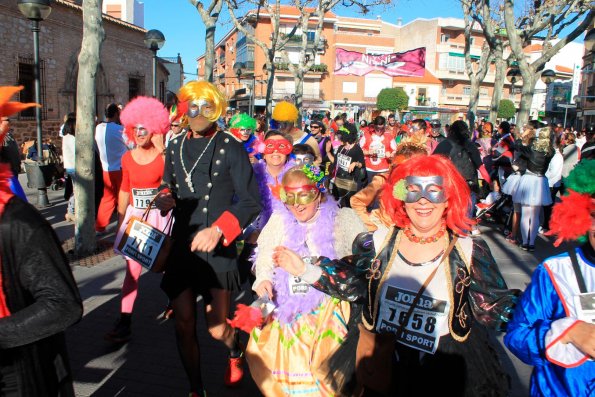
471,369
186,269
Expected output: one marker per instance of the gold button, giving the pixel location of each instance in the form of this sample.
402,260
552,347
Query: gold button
215,173
209,185
218,162
207,197
172,152
204,210
226,140
176,141
222,151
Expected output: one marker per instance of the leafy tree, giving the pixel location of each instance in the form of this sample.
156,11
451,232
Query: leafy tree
392,99
506,109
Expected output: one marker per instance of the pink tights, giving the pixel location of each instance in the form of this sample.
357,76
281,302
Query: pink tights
130,286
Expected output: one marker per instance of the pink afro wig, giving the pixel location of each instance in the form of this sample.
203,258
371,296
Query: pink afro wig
145,111
456,189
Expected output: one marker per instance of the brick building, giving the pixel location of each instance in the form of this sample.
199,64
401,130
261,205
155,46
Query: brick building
125,70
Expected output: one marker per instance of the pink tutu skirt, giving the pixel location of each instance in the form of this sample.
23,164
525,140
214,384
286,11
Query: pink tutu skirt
154,219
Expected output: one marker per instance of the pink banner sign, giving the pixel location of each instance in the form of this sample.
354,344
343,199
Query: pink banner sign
408,63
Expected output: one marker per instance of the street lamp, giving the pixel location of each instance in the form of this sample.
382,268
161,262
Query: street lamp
548,76
35,11
154,40
513,75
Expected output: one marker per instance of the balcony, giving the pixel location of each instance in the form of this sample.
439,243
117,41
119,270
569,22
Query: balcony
308,94
296,41
318,68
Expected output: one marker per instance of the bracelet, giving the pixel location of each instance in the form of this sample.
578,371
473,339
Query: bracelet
218,229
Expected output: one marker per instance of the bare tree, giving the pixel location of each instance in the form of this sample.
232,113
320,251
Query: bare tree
478,74
89,59
209,17
272,11
549,19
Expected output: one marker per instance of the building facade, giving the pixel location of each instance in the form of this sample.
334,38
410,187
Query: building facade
125,70
586,97
442,92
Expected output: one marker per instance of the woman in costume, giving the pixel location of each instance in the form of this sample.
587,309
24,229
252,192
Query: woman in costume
275,151
349,166
533,191
209,184
145,121
410,146
519,166
551,328
441,340
287,354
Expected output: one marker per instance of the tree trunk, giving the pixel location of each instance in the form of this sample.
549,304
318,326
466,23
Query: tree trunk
299,95
526,100
498,85
270,82
84,184
209,51
473,100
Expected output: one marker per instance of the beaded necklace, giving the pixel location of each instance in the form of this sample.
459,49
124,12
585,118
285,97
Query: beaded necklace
188,178
424,240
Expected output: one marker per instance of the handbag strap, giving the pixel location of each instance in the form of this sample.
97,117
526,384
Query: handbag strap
169,223
577,272
425,285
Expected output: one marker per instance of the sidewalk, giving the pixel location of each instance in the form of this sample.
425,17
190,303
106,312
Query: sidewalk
149,364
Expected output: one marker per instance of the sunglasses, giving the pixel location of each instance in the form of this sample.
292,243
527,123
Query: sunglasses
315,127
302,195
175,125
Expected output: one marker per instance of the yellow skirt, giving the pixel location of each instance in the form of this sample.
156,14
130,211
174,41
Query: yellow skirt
289,359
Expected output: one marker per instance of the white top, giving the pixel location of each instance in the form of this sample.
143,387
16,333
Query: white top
554,170
111,145
68,151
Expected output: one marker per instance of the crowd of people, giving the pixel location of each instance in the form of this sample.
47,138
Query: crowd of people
360,243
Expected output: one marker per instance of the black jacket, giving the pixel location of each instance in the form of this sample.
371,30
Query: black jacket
223,180
43,299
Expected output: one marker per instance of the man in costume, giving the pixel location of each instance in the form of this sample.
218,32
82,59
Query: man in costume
284,117
209,183
38,295
553,327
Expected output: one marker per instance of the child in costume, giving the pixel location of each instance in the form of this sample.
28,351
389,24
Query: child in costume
145,121
286,356
553,327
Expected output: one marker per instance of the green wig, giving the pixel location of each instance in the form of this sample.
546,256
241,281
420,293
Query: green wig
242,120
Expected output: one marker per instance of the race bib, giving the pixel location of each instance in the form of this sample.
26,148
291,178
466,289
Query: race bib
422,332
585,307
141,198
343,161
378,149
297,286
143,243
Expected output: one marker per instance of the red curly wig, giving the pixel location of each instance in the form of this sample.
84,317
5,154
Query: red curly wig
455,188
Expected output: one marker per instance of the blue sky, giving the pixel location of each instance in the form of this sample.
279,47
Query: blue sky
185,34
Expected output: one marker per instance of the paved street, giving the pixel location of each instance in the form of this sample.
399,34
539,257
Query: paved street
149,364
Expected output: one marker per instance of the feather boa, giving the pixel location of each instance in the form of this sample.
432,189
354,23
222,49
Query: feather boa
322,232
266,184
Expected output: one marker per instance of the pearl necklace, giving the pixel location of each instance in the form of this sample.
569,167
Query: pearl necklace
188,178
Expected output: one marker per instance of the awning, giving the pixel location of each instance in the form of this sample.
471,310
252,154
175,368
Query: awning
456,54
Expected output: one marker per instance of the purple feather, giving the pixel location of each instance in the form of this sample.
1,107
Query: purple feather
269,203
322,233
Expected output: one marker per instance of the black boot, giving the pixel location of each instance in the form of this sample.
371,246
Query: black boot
121,332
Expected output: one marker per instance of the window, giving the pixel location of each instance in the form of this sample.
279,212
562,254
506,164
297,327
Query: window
311,35
135,86
444,37
452,63
26,78
466,90
483,92
349,87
